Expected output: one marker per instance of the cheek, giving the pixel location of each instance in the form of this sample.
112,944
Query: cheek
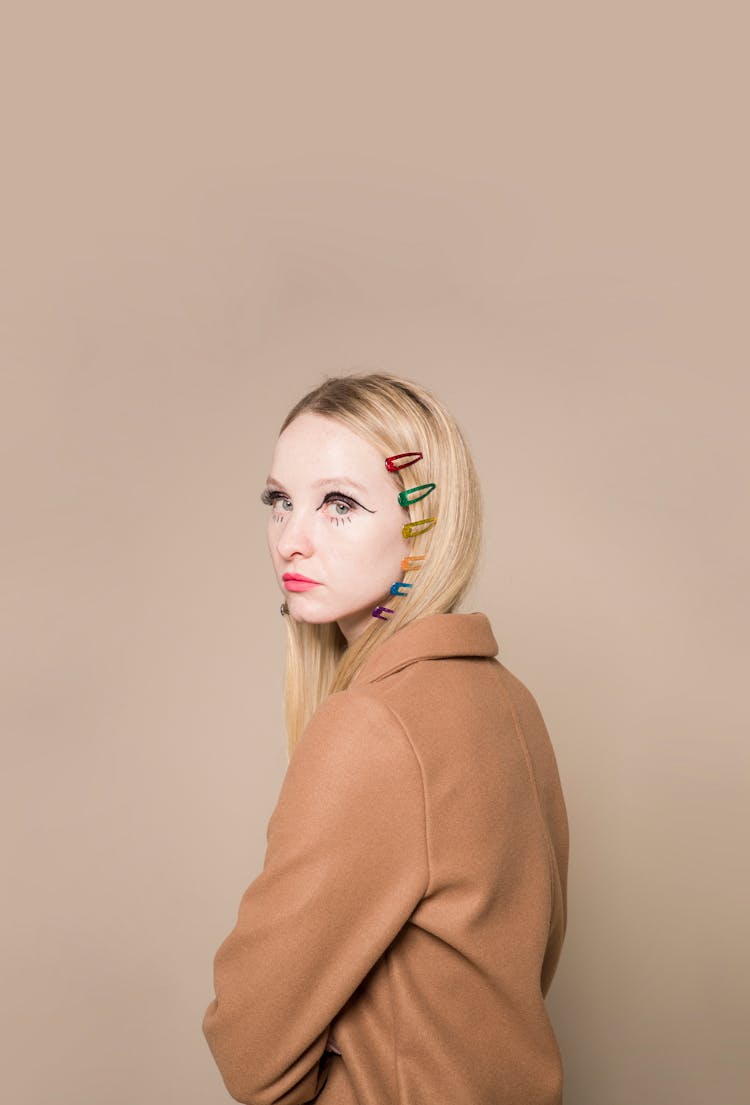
274,530
386,554
356,552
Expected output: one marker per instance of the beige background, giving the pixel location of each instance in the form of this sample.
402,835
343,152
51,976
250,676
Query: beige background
542,217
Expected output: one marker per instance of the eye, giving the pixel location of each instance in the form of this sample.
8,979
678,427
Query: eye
269,497
338,498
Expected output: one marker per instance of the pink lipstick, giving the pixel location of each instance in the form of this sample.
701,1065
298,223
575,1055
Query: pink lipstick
296,582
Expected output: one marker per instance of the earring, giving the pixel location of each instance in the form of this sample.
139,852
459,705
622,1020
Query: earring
284,609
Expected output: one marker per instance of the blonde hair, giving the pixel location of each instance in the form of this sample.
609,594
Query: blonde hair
396,416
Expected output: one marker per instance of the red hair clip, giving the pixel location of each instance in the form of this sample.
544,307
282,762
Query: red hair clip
397,456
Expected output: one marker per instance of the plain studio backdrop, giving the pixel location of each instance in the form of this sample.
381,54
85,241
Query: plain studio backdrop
539,214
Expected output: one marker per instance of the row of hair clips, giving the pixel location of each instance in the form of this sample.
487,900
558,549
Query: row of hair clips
409,529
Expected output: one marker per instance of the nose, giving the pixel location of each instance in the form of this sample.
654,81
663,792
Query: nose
295,538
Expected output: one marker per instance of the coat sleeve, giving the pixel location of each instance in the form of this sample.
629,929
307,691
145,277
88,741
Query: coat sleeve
345,865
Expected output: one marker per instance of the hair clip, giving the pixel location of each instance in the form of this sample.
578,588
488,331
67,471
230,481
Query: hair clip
397,456
410,528
408,566
403,496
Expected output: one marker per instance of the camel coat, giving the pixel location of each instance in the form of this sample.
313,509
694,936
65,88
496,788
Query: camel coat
412,901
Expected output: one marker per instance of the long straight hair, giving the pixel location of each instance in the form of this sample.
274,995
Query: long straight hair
394,415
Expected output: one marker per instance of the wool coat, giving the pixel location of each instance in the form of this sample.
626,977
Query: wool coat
412,901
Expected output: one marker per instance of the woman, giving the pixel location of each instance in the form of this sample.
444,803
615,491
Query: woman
398,944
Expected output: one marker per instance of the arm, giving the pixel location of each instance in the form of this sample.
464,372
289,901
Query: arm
345,866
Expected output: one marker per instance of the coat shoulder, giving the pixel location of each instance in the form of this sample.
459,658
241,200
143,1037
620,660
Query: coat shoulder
357,721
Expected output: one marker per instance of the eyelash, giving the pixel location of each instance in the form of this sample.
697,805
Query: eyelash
269,498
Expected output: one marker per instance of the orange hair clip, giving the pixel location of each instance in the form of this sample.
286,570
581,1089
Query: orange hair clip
408,565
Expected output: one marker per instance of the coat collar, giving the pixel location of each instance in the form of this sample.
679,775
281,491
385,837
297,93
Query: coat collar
430,638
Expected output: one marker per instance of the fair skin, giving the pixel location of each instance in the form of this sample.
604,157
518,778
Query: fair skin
347,538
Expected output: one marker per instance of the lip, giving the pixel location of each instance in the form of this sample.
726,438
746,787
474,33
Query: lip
293,581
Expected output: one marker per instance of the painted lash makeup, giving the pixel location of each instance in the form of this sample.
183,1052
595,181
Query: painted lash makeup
269,497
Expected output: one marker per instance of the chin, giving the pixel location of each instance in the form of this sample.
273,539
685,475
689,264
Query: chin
303,612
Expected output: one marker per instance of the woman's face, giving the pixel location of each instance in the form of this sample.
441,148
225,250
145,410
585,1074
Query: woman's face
336,519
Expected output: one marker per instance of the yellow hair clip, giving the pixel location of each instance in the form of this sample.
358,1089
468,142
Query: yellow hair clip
409,529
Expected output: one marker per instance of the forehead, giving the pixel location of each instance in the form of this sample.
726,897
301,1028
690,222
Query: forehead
319,451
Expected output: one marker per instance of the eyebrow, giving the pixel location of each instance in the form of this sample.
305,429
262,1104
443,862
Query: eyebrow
333,481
